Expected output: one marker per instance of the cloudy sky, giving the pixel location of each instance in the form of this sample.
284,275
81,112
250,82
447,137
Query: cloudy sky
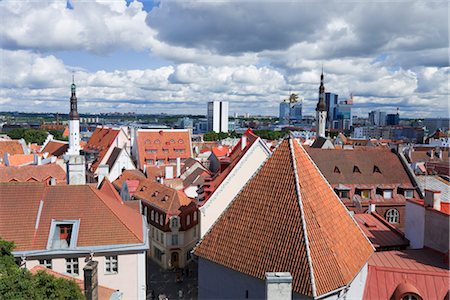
174,56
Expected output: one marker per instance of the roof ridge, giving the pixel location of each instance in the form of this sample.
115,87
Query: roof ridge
412,271
97,192
302,216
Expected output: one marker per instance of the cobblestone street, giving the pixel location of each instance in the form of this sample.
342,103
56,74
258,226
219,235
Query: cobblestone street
167,284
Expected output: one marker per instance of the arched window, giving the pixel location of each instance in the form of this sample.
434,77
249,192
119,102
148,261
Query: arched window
410,297
392,216
156,217
174,222
152,215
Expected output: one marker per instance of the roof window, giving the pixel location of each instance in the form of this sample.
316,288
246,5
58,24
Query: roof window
356,169
336,170
376,169
63,234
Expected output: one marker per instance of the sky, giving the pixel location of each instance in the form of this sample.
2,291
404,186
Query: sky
175,56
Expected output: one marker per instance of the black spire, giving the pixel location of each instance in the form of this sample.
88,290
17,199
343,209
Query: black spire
321,105
73,115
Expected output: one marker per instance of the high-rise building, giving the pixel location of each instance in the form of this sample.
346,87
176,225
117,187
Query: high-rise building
332,102
284,112
343,115
321,110
217,115
377,118
296,113
392,119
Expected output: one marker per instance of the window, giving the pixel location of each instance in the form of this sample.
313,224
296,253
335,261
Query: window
188,220
161,221
162,238
410,297
46,263
392,216
376,169
172,141
409,194
149,161
157,253
156,141
72,266
152,215
195,216
387,194
148,142
365,194
166,150
336,170
151,151
174,239
111,264
63,234
343,194
179,150
180,141
356,169
174,222
156,217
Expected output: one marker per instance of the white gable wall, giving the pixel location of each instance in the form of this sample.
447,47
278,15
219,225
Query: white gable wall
122,161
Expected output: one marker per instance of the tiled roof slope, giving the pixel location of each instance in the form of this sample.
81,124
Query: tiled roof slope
11,147
101,140
56,148
39,173
390,166
99,215
285,206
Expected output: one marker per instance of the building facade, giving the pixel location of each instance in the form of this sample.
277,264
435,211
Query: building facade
217,115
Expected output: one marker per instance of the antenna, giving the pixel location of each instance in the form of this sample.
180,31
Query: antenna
73,77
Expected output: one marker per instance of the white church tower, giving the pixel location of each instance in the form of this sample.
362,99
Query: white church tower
321,111
74,124
76,164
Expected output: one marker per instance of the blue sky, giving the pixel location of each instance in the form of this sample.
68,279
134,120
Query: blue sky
174,56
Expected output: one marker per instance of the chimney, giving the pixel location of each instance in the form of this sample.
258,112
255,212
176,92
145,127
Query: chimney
371,208
278,286
91,280
168,172
433,199
53,181
439,154
178,167
161,180
432,154
243,142
37,160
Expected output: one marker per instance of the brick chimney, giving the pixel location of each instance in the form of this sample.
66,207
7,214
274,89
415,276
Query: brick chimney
433,199
91,280
278,286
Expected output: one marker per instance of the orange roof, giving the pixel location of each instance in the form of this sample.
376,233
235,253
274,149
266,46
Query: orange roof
56,148
220,151
394,273
20,159
163,144
101,140
34,147
297,224
10,146
66,132
104,293
41,173
99,213
160,196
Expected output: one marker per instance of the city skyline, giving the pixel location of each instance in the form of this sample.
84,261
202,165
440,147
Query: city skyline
174,57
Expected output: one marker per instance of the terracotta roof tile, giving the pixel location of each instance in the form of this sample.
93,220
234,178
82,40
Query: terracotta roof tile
101,140
99,214
56,148
286,203
20,159
163,144
39,173
10,146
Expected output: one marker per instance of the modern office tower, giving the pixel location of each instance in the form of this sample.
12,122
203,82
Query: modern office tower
392,119
343,118
377,118
284,113
331,101
217,115
296,113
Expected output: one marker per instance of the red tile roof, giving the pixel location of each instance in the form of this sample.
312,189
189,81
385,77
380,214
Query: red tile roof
66,132
265,227
101,140
104,293
20,159
163,144
100,214
10,146
421,271
381,234
56,148
220,151
41,173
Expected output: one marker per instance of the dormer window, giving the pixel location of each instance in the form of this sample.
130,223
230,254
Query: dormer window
376,169
174,222
63,234
356,169
155,193
409,194
336,170
387,194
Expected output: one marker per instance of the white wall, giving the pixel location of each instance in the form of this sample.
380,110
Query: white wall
123,161
130,279
414,224
231,186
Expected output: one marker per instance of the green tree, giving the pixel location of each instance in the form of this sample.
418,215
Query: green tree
29,135
17,133
19,283
58,135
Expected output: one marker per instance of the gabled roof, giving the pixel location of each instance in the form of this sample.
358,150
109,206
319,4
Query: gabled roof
56,148
113,157
163,144
20,159
101,140
38,172
287,218
10,146
99,212
363,159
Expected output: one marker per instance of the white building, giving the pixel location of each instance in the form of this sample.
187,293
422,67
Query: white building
217,115
62,226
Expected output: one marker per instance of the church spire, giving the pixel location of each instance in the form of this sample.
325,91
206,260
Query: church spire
73,115
321,105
